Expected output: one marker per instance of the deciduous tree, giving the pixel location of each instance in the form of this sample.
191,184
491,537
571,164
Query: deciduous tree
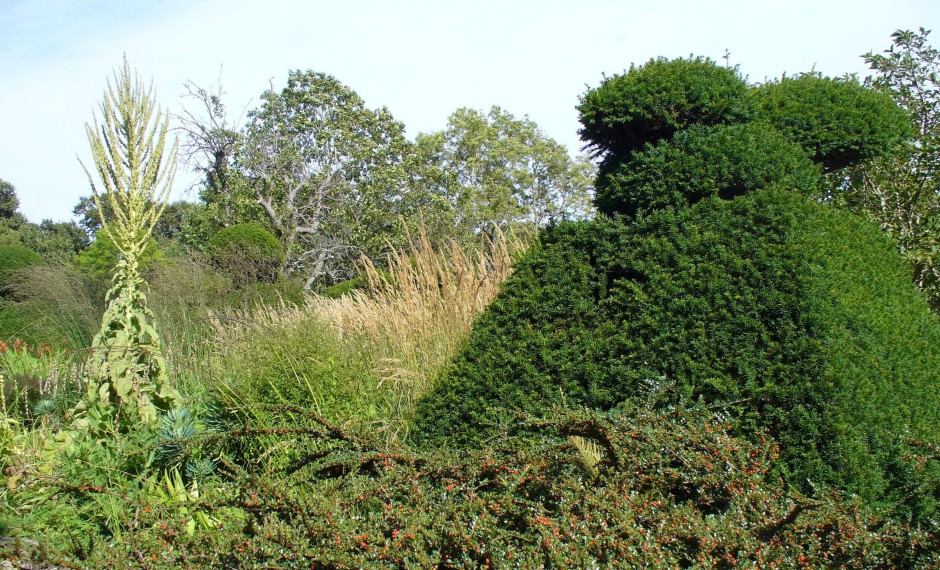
327,171
493,169
901,190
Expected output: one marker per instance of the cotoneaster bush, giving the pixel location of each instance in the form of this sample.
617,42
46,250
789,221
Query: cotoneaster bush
632,489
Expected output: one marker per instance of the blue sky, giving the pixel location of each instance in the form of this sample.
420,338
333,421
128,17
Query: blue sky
421,59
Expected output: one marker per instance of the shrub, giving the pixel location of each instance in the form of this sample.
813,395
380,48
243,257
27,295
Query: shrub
248,252
801,319
724,161
346,287
636,489
838,121
800,315
655,100
13,258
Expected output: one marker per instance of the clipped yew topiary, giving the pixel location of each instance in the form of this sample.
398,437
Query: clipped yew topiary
654,101
248,252
838,121
799,316
699,162
718,282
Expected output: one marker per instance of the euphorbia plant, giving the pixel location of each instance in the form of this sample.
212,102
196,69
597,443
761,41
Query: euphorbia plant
128,382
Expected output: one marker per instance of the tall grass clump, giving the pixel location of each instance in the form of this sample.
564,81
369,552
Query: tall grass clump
183,293
371,354
411,318
53,304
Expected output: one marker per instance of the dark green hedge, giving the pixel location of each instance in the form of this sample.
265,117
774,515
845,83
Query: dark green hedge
838,121
699,162
801,316
654,101
248,251
14,257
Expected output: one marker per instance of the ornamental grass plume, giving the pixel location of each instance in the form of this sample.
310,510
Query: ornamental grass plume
397,333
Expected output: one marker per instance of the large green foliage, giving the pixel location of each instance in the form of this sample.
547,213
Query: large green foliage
815,336
326,171
700,162
493,169
838,121
726,289
248,252
9,203
654,101
56,242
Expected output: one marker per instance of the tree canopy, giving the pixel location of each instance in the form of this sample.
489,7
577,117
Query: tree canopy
493,169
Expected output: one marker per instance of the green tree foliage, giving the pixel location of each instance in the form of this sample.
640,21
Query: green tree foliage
654,101
11,220
212,139
56,242
9,202
700,162
492,169
129,381
248,252
327,172
838,121
173,223
900,191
